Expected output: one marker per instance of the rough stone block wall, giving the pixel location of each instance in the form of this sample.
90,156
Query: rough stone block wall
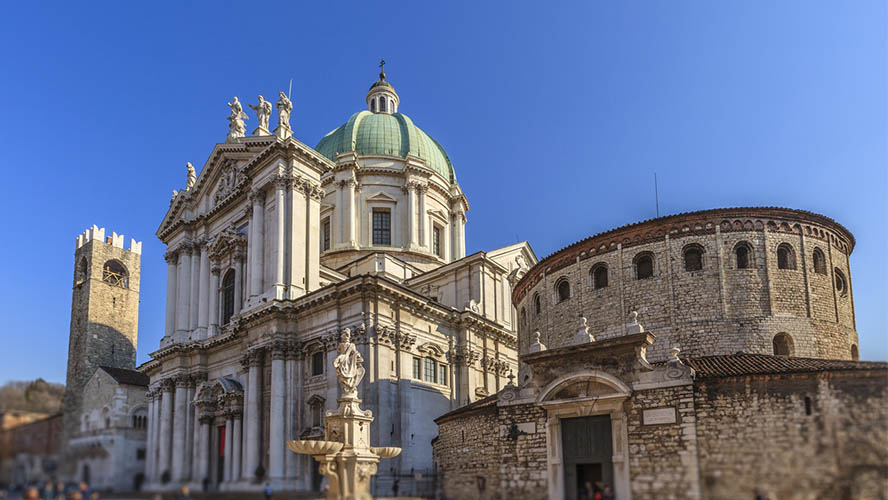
523,463
467,448
662,458
757,433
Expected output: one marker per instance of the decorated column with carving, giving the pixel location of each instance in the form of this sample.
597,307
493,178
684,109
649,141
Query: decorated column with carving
179,428
280,192
194,309
171,258
297,238
203,303
213,302
254,415
183,295
257,242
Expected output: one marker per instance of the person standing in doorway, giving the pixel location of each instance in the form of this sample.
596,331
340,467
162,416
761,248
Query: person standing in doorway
268,491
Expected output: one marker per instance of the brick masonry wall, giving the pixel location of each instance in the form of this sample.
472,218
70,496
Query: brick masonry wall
523,462
662,458
718,310
466,448
755,432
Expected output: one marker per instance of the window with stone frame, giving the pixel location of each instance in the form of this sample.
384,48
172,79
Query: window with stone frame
316,410
430,370
742,254
115,274
644,266
536,303
563,289
317,363
693,258
841,284
382,104
819,261
417,368
785,256
373,105
436,241
325,235
599,276
382,226
442,374
227,294
140,454
782,344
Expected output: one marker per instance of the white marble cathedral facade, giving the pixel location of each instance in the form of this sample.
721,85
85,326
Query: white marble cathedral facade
272,251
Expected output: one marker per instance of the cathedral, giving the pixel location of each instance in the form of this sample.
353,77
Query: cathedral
273,251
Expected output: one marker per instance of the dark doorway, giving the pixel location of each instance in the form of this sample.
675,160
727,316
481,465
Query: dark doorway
86,473
137,481
588,453
315,475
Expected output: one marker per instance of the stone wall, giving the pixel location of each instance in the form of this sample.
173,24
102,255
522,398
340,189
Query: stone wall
719,309
796,436
522,448
466,449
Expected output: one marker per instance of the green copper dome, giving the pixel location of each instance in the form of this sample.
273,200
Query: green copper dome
367,133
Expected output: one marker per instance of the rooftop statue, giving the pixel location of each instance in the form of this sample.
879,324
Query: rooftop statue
263,111
236,127
192,176
284,106
349,366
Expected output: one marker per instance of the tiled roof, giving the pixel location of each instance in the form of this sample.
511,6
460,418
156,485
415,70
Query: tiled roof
124,376
740,364
477,405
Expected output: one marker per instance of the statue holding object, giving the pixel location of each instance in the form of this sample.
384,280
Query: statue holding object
236,127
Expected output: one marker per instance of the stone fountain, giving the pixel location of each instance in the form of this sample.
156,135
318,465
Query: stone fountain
345,456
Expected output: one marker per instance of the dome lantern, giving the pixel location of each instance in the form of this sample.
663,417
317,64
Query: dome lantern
382,98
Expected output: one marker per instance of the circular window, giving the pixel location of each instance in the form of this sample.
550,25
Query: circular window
841,284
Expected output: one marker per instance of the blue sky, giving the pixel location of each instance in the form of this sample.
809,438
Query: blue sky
555,115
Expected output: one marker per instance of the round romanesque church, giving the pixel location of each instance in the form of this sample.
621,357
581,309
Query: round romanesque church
278,247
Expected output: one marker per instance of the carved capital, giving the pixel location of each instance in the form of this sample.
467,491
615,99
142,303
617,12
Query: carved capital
279,350
171,256
257,195
168,384
282,182
215,269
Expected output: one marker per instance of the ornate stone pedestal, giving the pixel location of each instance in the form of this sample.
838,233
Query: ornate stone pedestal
346,457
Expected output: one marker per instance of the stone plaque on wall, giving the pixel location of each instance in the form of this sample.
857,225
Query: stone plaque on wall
659,416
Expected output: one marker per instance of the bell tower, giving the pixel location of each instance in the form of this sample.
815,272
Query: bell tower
104,314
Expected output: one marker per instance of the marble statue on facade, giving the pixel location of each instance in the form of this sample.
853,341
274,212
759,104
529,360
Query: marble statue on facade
192,176
263,112
236,127
284,106
349,366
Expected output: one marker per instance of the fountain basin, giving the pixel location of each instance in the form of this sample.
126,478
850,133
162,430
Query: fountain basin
386,451
315,447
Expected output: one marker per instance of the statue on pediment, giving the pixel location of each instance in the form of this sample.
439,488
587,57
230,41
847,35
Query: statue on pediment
284,106
192,176
263,112
236,127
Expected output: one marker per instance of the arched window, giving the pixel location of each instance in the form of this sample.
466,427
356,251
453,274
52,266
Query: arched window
82,270
841,284
536,304
382,104
785,257
782,345
227,297
563,288
644,266
819,261
373,105
742,253
392,105
693,258
599,276
115,274
855,354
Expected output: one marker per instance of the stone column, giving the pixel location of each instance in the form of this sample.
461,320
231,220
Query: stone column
150,446
226,470
238,278
183,294
423,218
236,447
314,195
276,442
203,468
189,429
461,234
349,185
280,193
257,242
194,449
298,233
179,428
213,302
164,444
254,414
289,409
193,309
411,215
156,454
203,303
170,325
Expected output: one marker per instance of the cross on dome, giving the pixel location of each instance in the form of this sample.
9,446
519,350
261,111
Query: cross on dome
382,98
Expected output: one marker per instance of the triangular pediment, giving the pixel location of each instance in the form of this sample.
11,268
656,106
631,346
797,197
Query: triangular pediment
380,196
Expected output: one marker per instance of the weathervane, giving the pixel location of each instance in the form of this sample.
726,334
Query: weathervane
382,69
